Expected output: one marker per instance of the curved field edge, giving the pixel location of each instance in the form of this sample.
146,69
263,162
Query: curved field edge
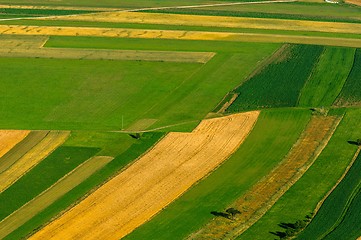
258,155
78,193
337,205
303,197
263,195
9,139
328,77
153,181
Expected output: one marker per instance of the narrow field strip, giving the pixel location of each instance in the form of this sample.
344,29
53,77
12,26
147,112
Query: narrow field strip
21,149
174,34
216,21
261,197
64,53
59,8
152,182
49,196
39,152
9,138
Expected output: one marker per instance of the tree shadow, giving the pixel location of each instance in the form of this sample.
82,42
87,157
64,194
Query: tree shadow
287,225
279,234
353,142
220,214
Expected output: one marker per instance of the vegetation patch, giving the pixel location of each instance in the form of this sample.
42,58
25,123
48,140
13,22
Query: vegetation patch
328,77
280,83
351,94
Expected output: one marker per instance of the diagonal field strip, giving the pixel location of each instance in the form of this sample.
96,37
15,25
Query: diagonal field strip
153,181
45,199
9,139
24,163
33,48
261,197
174,34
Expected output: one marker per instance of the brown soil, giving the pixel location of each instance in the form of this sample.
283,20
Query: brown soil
261,197
355,2
152,182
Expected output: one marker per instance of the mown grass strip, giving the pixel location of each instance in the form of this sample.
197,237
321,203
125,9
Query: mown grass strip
46,198
260,153
303,197
328,77
21,149
278,84
337,205
46,173
95,180
351,94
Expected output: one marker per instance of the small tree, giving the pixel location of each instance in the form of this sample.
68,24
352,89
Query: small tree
358,141
232,212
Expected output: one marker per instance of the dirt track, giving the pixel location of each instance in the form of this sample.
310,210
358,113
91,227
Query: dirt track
9,138
153,181
261,197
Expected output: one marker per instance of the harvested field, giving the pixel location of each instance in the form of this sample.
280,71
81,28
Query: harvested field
261,197
355,2
21,149
9,138
53,193
33,48
152,182
216,21
174,34
31,158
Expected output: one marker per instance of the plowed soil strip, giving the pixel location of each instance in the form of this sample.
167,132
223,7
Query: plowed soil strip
9,138
153,181
21,149
261,197
49,196
174,34
22,165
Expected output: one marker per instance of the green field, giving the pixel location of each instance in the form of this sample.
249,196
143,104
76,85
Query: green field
302,198
331,219
351,94
62,95
279,83
42,176
326,82
260,153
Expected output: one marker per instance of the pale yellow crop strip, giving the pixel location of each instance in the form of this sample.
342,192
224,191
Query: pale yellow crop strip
173,34
52,141
217,21
49,196
9,138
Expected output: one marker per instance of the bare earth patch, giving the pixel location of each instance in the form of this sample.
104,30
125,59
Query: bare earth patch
152,182
355,2
263,195
9,138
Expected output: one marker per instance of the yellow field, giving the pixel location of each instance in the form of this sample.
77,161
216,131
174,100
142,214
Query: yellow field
53,140
217,21
173,34
49,196
153,181
9,138
261,197
355,2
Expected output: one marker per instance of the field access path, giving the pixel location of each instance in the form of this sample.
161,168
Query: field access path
261,197
152,182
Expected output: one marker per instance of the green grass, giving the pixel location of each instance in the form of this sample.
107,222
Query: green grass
42,176
135,150
62,93
337,205
260,153
41,12
351,94
301,199
328,77
278,84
